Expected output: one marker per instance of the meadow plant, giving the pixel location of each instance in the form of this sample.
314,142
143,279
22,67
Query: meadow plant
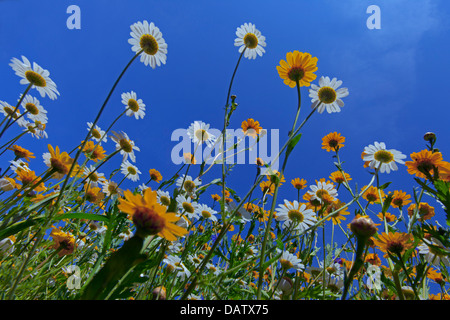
73,232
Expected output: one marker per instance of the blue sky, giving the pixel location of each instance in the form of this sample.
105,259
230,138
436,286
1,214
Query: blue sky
396,76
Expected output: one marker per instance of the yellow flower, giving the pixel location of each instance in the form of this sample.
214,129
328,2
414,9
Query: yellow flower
333,141
149,216
299,184
371,195
94,152
155,175
299,68
338,177
424,161
251,127
425,211
396,243
389,217
64,242
21,153
59,162
400,199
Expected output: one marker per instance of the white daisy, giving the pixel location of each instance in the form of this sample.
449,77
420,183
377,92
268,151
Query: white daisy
195,260
130,171
97,133
111,188
295,215
251,38
432,255
328,94
36,129
198,132
290,261
93,176
187,206
36,76
35,112
189,185
174,264
19,165
146,36
206,212
213,269
321,189
163,197
7,109
134,106
382,158
125,145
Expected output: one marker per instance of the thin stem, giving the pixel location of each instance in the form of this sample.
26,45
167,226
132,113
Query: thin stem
15,109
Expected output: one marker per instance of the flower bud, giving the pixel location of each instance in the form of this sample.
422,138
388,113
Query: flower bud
159,293
363,227
429,137
285,285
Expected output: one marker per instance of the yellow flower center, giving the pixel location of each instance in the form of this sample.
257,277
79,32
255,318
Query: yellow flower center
93,177
10,111
112,189
206,214
295,215
188,207
35,78
165,200
250,41
321,193
286,264
149,44
133,105
383,156
189,186
96,134
126,145
296,73
201,135
131,171
327,95
31,108
59,166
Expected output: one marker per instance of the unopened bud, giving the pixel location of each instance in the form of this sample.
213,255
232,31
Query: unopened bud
159,293
429,137
363,227
285,285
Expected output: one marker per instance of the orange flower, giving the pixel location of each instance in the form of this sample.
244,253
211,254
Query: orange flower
424,162
389,217
425,211
155,175
333,141
299,67
299,184
251,128
64,242
339,178
396,243
400,199
149,217
21,153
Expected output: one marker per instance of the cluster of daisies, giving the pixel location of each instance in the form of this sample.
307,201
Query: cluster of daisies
173,216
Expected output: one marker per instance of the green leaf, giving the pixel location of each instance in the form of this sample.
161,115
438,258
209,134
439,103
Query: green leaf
82,215
292,144
19,226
